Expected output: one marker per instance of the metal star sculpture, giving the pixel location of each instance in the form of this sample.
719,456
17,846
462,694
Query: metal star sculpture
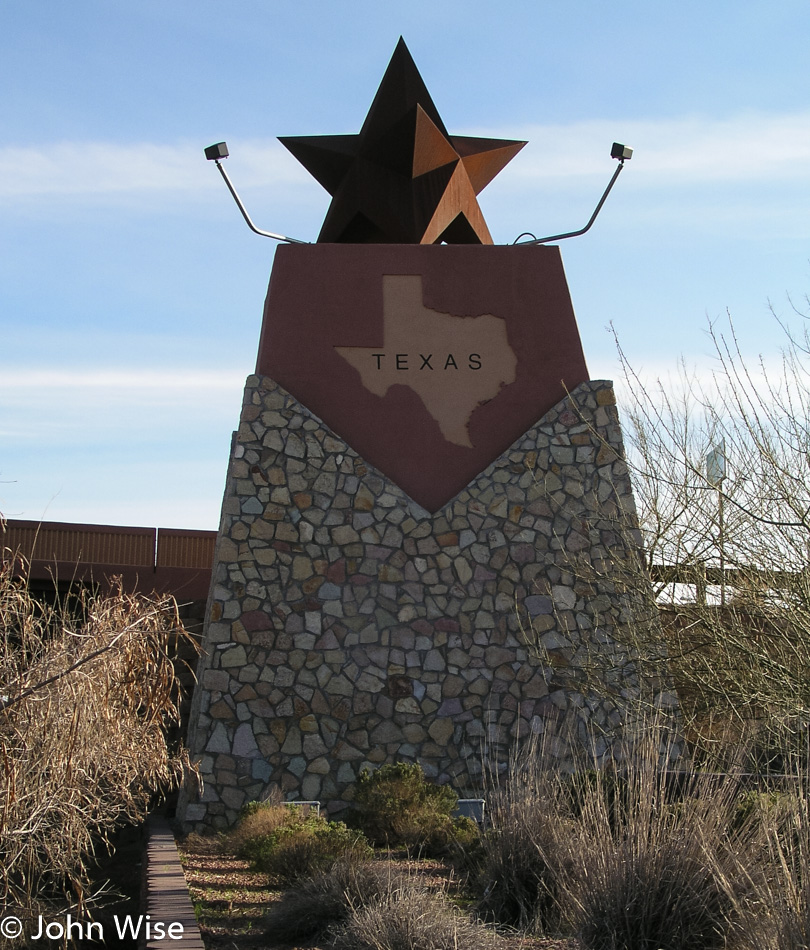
403,179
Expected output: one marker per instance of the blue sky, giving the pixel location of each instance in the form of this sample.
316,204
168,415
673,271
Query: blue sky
131,291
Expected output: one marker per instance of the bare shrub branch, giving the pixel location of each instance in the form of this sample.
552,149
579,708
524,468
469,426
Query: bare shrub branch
730,558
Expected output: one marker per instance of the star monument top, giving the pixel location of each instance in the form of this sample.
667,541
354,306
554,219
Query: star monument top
403,179
429,350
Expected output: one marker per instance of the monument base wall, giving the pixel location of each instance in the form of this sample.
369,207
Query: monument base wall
348,627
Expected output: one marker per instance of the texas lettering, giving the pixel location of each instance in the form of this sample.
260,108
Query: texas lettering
430,361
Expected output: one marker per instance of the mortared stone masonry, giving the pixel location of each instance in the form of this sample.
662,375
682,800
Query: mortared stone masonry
347,626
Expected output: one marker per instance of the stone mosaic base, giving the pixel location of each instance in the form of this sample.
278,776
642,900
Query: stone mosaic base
348,627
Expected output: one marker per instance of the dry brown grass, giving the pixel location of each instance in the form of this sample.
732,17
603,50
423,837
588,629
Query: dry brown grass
784,889
645,862
517,874
409,916
623,857
326,901
240,908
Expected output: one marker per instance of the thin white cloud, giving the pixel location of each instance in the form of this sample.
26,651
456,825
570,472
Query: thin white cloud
125,379
748,147
118,407
78,168
52,395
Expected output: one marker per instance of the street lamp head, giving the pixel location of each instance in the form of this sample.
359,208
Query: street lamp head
620,151
214,152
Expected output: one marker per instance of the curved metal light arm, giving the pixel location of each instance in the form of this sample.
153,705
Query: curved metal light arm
619,151
223,153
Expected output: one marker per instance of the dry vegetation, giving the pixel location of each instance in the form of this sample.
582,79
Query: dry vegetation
86,698
614,858
727,545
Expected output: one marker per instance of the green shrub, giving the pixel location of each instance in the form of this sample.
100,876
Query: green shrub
257,820
465,835
297,846
398,808
761,808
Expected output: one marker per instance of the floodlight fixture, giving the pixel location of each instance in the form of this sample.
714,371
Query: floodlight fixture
621,152
214,153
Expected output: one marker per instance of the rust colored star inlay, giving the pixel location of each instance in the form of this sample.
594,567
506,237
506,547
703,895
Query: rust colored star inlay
403,179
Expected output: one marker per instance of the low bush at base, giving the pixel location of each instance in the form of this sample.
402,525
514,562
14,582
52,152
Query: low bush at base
291,846
372,905
619,856
669,898
257,820
622,857
396,807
